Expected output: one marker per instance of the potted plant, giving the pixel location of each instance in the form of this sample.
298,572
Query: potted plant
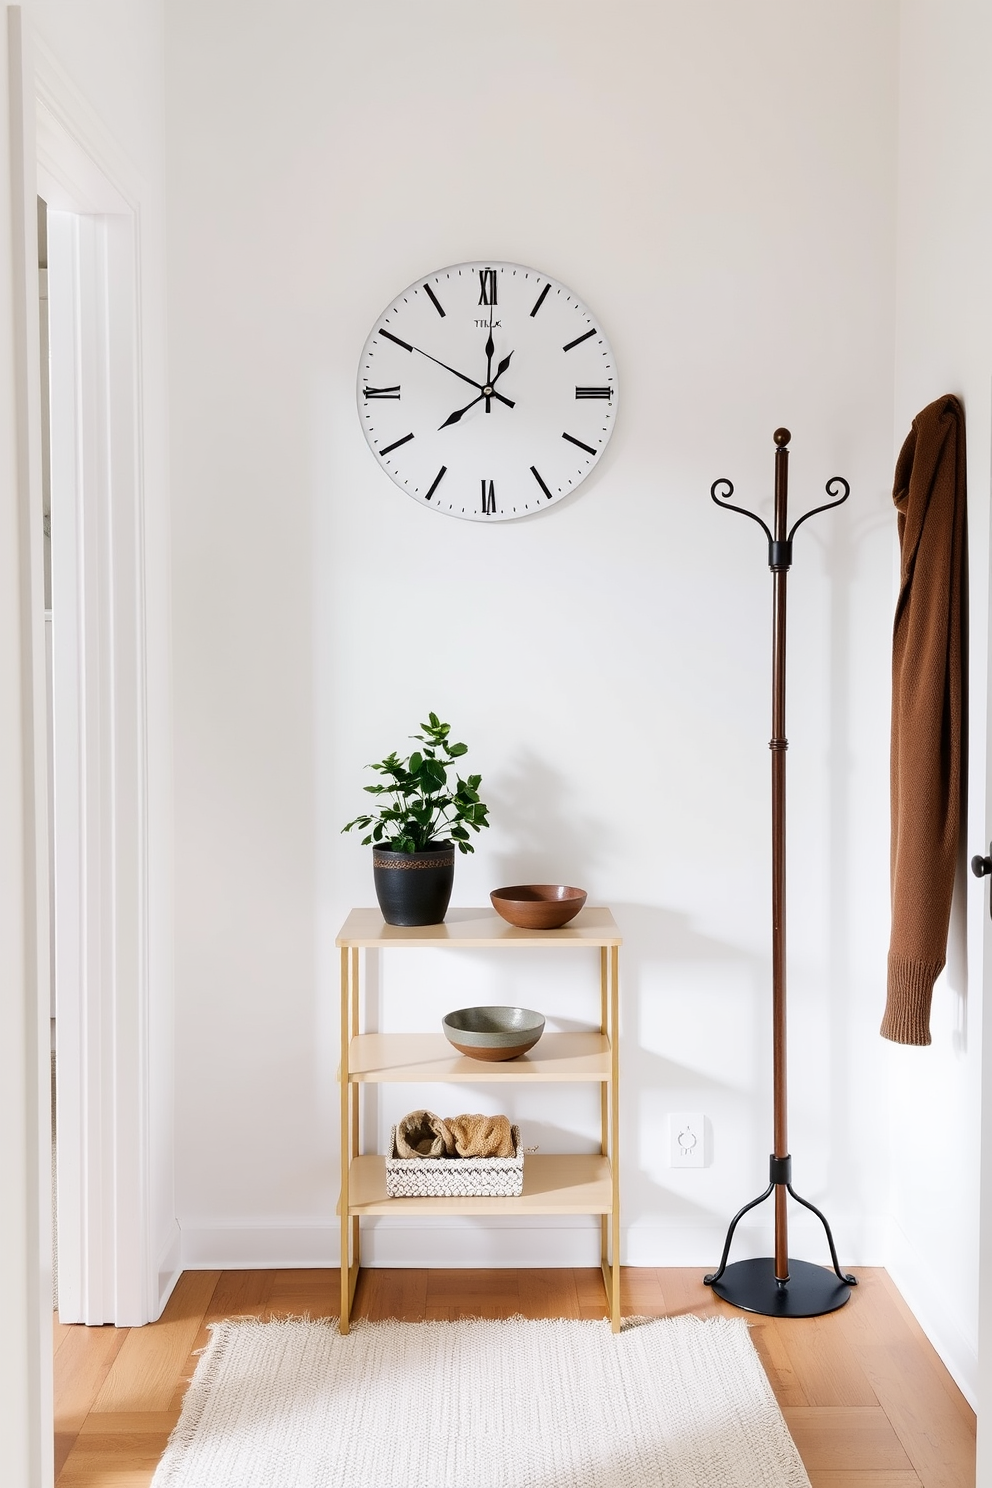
415,831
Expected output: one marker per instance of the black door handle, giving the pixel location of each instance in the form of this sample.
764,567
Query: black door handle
981,866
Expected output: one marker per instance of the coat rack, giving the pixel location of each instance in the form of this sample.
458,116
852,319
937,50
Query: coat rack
777,1286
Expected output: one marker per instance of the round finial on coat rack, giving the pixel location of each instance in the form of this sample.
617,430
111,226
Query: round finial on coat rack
781,437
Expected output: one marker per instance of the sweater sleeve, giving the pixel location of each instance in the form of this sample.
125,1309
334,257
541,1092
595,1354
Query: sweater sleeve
929,698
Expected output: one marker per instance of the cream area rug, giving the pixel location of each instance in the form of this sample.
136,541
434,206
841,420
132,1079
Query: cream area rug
669,1403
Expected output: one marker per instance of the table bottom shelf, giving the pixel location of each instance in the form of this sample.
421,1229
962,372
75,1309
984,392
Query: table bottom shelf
580,1183
553,1184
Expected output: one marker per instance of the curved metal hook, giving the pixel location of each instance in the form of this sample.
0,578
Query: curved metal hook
723,501
835,480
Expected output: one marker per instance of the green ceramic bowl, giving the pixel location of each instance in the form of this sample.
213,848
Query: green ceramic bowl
493,1032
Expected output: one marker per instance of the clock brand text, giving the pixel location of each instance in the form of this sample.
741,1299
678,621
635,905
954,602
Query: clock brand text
485,325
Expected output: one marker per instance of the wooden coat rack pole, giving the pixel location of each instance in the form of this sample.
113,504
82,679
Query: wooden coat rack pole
777,1286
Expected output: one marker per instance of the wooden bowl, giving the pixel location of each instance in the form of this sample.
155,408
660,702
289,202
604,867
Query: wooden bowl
538,906
493,1033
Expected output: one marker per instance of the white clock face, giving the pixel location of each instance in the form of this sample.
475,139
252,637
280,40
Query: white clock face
487,391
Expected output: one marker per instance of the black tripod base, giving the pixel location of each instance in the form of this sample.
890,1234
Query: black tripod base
809,1292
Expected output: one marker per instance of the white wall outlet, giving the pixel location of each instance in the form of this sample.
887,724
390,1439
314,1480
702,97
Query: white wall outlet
686,1139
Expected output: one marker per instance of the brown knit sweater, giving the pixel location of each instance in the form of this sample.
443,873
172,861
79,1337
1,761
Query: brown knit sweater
929,696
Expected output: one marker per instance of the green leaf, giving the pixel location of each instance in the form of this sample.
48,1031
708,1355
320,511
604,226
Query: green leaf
434,775
416,760
456,749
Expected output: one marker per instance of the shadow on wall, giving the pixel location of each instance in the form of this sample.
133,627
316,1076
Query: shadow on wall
702,1000
555,841
862,536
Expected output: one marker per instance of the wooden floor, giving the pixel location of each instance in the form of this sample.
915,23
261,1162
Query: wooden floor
866,1398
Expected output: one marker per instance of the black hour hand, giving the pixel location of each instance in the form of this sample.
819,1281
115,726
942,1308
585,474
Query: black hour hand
454,417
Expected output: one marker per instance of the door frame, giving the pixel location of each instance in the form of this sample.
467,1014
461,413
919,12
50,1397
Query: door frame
25,1080
118,1242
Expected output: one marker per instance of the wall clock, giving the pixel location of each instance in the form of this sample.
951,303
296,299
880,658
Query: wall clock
487,391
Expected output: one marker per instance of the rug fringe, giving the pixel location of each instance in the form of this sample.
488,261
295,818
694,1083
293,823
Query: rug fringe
627,1323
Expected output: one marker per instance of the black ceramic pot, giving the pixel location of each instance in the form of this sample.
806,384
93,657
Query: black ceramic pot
414,888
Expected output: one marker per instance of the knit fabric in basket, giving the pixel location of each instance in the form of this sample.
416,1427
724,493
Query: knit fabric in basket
454,1177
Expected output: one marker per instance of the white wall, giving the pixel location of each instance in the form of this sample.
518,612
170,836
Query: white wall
718,184
944,344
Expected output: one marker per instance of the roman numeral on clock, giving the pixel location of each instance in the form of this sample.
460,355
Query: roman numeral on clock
487,286
488,499
594,392
390,392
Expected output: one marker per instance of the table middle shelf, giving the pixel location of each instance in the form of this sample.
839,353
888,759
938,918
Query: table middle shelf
378,1058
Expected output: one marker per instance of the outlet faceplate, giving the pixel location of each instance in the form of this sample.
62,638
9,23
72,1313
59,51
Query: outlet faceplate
687,1139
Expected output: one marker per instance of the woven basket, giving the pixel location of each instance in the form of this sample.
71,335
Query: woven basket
455,1177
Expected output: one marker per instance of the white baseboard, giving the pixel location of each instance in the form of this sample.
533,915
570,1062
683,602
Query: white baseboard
859,1242
468,1243
256,1246
167,1271
511,1246
914,1277
386,1242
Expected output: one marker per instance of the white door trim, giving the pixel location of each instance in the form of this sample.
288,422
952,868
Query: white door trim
100,769
113,1267
25,1236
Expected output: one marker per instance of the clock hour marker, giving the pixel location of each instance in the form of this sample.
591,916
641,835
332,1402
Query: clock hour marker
594,392
390,392
577,342
436,301
534,472
540,299
487,286
406,440
436,482
488,499
572,440
405,344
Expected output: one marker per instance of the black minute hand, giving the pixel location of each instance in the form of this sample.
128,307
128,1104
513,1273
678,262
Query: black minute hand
407,347
490,348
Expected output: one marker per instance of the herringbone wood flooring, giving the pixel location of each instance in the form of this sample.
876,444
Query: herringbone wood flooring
866,1398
